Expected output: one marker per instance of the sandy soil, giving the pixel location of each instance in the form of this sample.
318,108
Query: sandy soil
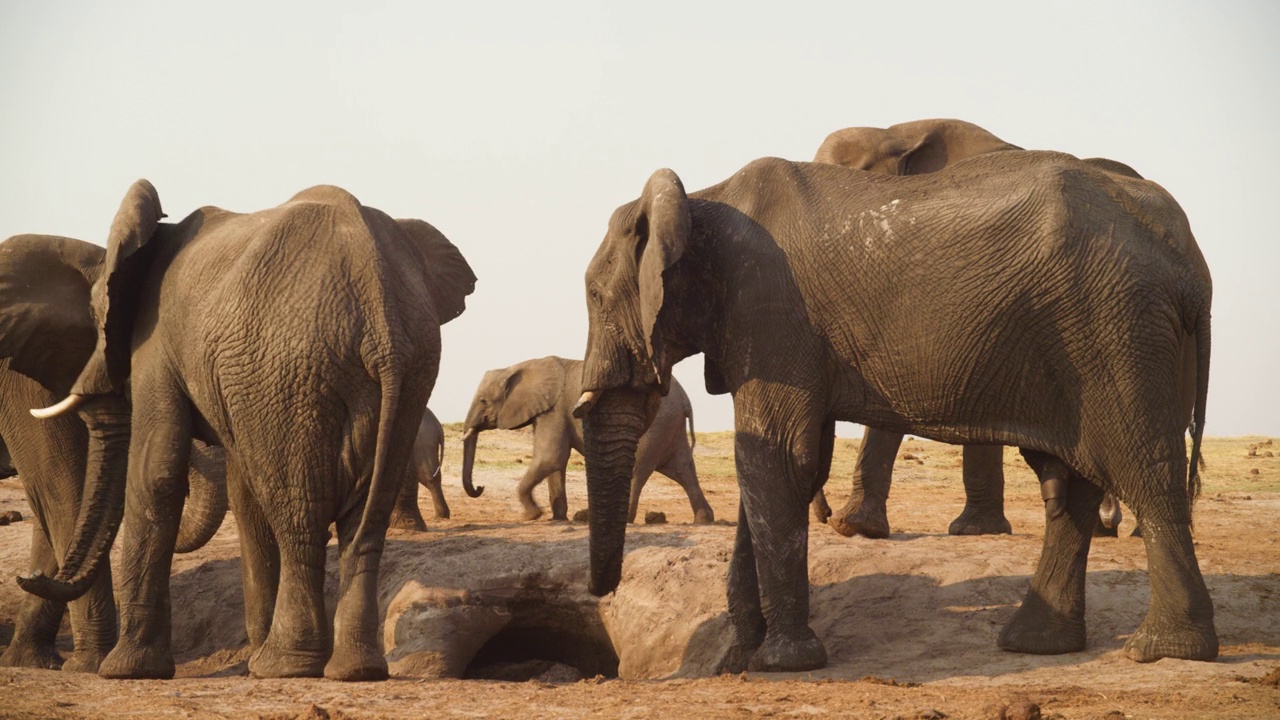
909,622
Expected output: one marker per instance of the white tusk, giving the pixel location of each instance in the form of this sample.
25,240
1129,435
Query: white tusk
470,433
585,403
70,402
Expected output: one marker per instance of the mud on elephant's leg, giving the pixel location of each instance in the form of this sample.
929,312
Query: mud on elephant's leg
746,619
1051,618
36,628
865,513
983,474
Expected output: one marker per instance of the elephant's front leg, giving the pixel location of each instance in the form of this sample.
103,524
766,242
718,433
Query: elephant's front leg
1051,618
155,490
983,512
743,587
777,479
865,513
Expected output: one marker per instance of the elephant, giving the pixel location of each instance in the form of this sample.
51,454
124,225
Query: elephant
917,148
424,469
305,341
1016,298
542,392
46,335
7,470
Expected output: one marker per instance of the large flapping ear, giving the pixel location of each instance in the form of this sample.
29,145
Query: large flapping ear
452,279
861,148
926,155
46,327
532,388
115,295
662,227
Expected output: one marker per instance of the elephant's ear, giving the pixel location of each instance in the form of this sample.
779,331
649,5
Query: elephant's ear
662,229
46,326
115,295
927,155
532,388
451,277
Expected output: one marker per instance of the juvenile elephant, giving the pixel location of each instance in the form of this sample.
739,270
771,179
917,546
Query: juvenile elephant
305,341
46,335
918,148
424,470
543,392
1041,302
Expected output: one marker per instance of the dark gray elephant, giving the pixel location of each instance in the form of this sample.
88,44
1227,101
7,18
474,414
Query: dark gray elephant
543,392
424,470
46,336
304,340
1041,302
917,148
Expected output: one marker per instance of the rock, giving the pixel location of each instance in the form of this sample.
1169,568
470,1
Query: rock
1023,711
655,518
582,516
10,516
1254,471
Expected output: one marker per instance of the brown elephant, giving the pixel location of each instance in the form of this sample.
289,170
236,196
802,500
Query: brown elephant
425,470
1016,298
542,392
917,148
46,336
304,340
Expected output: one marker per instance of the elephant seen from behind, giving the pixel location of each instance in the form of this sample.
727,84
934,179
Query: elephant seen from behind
1042,303
46,335
542,393
304,340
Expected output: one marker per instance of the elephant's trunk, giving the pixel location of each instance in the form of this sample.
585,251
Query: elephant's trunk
107,419
206,504
468,461
611,431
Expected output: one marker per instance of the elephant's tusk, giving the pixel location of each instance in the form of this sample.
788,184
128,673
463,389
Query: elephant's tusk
585,403
470,433
70,402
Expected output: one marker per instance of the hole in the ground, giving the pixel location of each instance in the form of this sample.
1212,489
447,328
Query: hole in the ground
556,643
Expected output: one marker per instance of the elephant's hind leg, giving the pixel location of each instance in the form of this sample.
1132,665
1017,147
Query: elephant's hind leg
1051,618
865,513
983,475
259,556
681,469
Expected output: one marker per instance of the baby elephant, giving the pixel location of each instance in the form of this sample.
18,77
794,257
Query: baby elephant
543,392
424,469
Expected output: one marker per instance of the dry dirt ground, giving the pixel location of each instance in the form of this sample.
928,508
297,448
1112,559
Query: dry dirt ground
909,622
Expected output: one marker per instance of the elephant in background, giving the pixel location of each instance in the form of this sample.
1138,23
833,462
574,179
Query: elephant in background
305,341
543,392
424,470
1051,305
46,335
917,148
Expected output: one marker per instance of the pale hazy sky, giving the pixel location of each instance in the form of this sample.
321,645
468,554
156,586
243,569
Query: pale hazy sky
516,128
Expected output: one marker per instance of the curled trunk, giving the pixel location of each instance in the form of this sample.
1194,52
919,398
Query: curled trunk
469,461
206,503
107,419
611,431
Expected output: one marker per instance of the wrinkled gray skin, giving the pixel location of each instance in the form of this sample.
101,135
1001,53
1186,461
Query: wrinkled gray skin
1046,304
46,335
424,470
543,392
304,340
917,148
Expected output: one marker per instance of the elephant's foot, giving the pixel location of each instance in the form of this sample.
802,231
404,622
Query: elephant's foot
531,512
406,522
87,660
976,521
127,662
1038,629
1101,530
794,650
1162,639
747,638
271,661
704,517
356,666
821,510
869,519
31,655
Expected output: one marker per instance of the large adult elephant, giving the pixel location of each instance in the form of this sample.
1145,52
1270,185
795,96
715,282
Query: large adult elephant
542,392
1017,298
424,470
46,336
304,340
917,148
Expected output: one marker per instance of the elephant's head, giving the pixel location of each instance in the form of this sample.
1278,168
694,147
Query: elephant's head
911,148
630,352
509,398
99,392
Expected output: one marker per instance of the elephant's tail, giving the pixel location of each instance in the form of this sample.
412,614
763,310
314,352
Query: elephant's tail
439,457
693,438
1202,393
390,405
